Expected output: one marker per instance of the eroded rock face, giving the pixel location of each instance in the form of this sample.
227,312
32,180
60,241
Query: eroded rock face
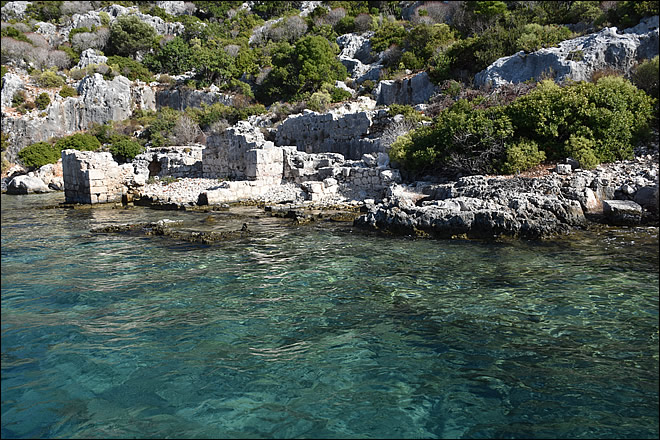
577,59
98,101
480,207
90,56
11,83
414,90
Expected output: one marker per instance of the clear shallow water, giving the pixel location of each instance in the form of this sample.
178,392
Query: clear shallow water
321,331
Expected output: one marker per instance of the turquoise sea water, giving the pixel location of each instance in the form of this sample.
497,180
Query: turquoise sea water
322,331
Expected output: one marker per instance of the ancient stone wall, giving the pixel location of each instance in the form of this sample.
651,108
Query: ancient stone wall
91,177
333,132
226,154
177,161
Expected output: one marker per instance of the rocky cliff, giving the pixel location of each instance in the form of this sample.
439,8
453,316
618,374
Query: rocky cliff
579,58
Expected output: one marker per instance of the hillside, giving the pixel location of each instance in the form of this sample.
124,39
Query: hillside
154,74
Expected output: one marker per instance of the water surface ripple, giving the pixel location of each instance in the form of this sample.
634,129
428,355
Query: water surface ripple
322,331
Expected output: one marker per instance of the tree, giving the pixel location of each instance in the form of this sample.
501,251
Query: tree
129,36
174,58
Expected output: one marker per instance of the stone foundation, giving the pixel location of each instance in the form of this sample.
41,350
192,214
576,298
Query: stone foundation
91,177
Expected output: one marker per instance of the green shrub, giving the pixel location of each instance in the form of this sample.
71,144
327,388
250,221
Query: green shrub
319,101
408,112
18,98
14,33
105,18
522,156
38,155
78,141
645,77
49,79
582,149
67,91
612,112
131,69
4,70
368,85
125,150
42,101
339,95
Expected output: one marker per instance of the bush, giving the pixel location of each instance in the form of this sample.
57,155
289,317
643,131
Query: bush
125,150
78,141
42,101
522,156
582,150
613,113
408,112
131,69
319,101
645,77
67,91
49,79
38,155
18,98
339,95
130,35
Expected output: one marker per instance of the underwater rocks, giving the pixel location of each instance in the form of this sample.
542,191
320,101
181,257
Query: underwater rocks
165,228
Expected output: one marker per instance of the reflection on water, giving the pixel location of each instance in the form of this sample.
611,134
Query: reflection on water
322,331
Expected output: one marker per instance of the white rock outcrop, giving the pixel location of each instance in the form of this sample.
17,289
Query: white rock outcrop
577,59
414,90
11,83
90,56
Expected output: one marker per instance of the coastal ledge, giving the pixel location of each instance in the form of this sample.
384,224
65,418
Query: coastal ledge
621,193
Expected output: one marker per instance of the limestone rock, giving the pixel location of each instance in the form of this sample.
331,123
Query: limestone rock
578,58
50,173
176,7
14,10
647,197
622,212
414,90
180,99
99,101
11,83
90,56
344,130
354,46
26,184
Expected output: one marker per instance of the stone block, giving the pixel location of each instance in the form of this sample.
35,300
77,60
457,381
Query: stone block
563,168
622,212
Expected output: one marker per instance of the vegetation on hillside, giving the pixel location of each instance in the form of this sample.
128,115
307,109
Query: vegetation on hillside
271,56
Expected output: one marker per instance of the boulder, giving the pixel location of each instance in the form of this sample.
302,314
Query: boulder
622,212
26,184
577,59
647,198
